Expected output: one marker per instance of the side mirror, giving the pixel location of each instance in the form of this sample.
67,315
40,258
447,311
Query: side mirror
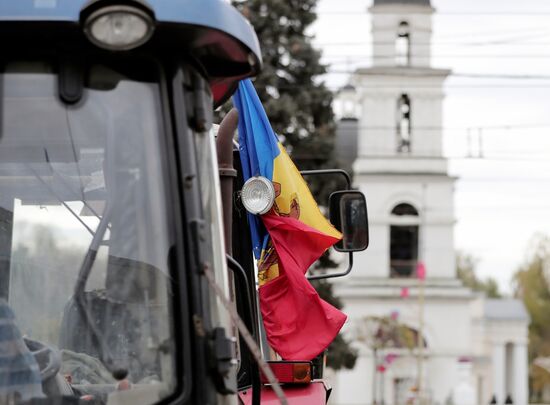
348,213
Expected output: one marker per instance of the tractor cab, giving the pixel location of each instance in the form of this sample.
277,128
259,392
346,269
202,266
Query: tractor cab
109,200
117,285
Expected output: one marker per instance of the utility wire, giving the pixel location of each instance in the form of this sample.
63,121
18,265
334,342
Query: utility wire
346,57
510,13
453,74
527,158
421,86
334,87
477,34
460,128
498,42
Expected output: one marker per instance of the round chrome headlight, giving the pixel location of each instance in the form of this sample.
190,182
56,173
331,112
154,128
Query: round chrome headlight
258,195
119,28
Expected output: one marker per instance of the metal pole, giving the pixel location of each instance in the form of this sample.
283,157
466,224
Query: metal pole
382,378
480,140
374,375
420,337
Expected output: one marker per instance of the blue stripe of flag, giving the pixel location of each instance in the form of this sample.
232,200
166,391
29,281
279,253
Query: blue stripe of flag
257,148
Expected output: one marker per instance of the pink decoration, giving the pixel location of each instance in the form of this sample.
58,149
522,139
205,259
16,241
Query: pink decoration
390,358
421,271
381,368
394,315
405,292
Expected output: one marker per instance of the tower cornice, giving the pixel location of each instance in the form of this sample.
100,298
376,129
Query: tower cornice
401,7
403,71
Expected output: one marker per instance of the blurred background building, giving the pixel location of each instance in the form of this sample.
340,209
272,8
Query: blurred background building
422,336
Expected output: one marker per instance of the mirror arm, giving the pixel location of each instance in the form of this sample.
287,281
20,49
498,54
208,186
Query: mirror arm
329,171
348,185
342,274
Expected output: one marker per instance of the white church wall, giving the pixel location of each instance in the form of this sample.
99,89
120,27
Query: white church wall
480,345
451,323
442,378
506,343
447,330
438,251
377,138
377,129
426,113
377,266
395,164
385,192
354,386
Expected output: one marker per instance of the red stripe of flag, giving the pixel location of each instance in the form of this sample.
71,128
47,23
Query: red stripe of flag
299,324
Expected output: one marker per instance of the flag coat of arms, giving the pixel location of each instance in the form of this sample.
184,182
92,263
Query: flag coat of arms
287,240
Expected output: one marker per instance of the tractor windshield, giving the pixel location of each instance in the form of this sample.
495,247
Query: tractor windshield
64,171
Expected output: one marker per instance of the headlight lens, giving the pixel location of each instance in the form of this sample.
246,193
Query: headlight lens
119,28
258,195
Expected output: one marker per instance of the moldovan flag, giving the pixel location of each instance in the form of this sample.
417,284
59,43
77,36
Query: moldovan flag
287,240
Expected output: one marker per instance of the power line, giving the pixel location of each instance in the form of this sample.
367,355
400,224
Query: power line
474,34
335,88
347,58
525,158
453,74
507,41
501,76
461,128
426,85
503,158
402,87
507,208
433,43
511,13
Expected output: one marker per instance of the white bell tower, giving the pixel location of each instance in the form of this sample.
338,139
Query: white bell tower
400,167
400,164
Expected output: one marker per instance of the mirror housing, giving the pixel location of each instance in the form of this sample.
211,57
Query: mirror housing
348,213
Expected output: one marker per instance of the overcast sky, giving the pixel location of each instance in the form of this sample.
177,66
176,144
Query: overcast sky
503,199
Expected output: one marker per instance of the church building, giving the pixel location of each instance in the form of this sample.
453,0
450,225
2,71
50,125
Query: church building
422,337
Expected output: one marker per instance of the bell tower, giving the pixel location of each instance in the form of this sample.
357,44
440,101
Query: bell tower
401,32
400,165
391,120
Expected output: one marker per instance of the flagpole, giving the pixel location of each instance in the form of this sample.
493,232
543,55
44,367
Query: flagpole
421,298
420,339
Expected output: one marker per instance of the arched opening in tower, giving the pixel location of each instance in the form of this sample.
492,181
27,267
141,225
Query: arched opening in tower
404,241
403,124
403,45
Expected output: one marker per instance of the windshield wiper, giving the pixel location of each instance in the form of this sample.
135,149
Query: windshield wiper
50,189
104,353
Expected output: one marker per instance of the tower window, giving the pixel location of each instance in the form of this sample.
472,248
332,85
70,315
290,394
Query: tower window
404,209
403,45
403,124
403,241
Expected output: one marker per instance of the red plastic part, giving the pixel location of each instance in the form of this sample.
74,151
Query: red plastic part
310,394
292,372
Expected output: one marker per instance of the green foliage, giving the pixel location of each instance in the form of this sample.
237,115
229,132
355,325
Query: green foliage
531,284
465,271
296,102
386,332
340,354
298,106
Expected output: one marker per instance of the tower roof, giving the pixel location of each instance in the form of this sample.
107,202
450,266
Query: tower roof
402,2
